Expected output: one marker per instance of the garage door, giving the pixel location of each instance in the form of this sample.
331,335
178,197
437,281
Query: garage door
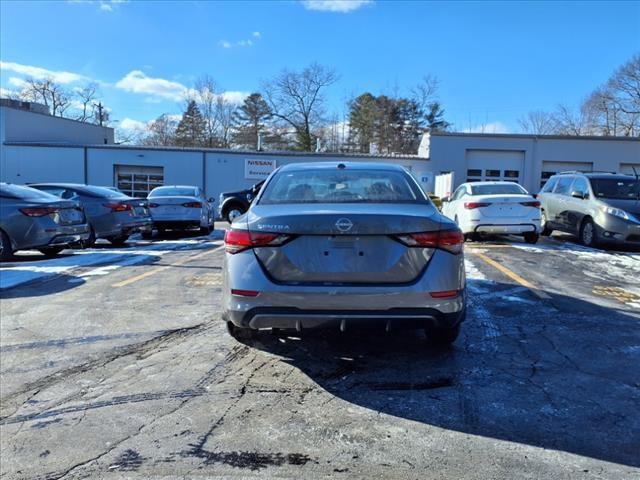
551,168
490,165
138,181
628,168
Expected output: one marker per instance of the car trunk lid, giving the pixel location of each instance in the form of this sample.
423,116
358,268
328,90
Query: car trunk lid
503,206
327,245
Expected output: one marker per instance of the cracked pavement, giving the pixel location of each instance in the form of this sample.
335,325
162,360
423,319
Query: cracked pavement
143,381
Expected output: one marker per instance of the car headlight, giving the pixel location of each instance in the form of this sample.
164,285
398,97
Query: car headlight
618,212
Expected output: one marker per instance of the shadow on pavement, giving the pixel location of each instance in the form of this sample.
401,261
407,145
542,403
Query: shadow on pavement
562,375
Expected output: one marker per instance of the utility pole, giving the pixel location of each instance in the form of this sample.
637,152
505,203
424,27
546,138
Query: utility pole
100,116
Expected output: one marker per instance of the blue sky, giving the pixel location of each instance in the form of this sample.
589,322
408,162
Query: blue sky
495,61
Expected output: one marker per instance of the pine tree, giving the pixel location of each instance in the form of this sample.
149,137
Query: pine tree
363,113
191,129
250,120
435,118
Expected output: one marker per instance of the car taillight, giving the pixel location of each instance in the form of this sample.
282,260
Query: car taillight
38,211
236,241
153,205
449,240
118,207
445,294
535,204
472,205
192,205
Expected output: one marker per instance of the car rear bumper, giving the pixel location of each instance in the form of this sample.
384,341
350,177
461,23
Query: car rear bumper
298,319
177,224
50,234
515,228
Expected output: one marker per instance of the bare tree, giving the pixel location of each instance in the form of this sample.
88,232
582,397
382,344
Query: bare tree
205,96
426,92
161,131
224,116
87,97
296,99
538,122
48,92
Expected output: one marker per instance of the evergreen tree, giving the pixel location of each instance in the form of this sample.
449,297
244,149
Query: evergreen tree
249,120
363,113
191,129
435,118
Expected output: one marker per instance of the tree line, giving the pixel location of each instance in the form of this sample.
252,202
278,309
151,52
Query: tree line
612,109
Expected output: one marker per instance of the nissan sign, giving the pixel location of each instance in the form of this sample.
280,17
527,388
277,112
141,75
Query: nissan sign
258,169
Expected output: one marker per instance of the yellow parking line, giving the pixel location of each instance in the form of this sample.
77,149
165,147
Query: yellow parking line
144,275
513,276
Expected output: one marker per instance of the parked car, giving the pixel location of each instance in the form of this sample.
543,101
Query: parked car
437,201
234,204
597,207
31,219
112,215
179,207
481,208
340,245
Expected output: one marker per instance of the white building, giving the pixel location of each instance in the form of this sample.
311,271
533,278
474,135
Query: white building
527,159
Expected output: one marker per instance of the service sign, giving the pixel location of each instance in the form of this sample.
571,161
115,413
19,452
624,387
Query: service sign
258,169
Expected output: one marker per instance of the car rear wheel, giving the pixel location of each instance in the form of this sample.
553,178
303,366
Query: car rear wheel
233,213
531,237
546,231
240,333
50,251
443,336
588,234
6,251
147,234
118,241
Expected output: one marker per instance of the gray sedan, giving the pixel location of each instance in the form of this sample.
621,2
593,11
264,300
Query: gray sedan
30,219
111,214
342,245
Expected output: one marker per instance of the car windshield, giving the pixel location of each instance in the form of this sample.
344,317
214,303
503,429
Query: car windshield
331,186
616,188
498,189
24,193
173,192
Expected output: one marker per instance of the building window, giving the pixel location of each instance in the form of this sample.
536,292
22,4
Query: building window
138,181
472,172
511,174
492,173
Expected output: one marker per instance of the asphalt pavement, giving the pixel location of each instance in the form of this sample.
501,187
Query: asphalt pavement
114,364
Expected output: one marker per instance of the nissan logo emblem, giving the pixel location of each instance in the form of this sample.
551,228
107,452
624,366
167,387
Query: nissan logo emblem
344,224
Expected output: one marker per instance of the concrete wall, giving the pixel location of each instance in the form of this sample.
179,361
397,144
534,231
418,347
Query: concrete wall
448,153
24,126
42,164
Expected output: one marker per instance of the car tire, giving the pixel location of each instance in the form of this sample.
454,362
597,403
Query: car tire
240,333
6,250
146,235
442,336
91,241
471,237
233,212
588,234
205,231
51,251
531,238
546,231
118,241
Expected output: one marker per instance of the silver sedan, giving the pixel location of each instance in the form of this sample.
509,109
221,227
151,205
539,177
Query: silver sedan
328,245
31,219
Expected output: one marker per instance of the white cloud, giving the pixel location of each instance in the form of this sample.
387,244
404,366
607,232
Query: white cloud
17,82
104,5
225,44
40,73
494,127
132,125
256,34
137,81
234,97
247,42
340,6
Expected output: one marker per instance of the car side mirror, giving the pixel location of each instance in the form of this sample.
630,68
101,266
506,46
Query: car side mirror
577,194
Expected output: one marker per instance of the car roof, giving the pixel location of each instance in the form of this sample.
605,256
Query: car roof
493,182
177,186
597,175
347,166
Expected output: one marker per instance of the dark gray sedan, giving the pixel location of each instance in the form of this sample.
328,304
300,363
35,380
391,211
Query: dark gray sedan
31,219
112,215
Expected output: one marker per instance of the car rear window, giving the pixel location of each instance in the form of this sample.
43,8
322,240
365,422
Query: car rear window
173,192
616,188
341,186
498,189
24,193
101,192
